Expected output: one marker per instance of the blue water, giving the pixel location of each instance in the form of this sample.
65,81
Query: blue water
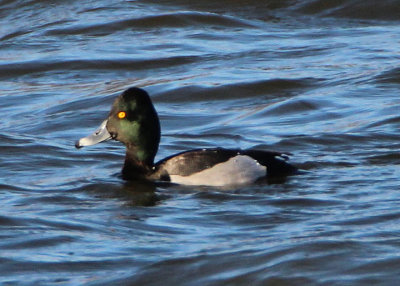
317,79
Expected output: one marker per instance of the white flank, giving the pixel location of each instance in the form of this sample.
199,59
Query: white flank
238,170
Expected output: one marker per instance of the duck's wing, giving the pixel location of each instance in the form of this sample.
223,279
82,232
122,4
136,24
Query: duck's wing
194,161
276,162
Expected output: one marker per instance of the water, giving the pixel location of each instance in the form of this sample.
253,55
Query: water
318,79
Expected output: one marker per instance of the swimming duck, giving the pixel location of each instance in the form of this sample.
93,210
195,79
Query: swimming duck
134,122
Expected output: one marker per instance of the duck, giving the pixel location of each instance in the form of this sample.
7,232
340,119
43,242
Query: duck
133,121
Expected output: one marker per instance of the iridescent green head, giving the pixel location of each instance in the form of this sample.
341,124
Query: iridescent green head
132,121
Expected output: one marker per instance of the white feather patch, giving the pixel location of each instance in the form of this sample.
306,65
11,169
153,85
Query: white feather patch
238,170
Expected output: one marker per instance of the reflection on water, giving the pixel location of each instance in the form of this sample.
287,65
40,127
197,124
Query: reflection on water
315,79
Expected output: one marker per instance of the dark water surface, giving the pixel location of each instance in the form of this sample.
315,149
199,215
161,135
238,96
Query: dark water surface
319,79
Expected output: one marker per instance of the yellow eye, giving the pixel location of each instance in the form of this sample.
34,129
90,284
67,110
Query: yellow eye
121,114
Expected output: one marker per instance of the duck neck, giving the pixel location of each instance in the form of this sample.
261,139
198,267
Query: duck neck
136,165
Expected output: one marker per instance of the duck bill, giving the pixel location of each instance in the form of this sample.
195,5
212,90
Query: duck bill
100,135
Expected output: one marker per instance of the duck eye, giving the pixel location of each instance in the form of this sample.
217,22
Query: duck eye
121,114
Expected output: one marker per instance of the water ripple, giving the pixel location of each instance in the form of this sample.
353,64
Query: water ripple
175,20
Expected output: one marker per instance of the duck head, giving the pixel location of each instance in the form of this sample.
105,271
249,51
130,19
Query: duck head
134,122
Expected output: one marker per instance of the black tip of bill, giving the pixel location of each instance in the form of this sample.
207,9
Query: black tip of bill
77,145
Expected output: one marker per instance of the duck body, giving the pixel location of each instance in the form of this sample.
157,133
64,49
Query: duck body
134,122
220,167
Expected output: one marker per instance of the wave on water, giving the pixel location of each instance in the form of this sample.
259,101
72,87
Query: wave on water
389,76
353,9
240,90
39,66
168,20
